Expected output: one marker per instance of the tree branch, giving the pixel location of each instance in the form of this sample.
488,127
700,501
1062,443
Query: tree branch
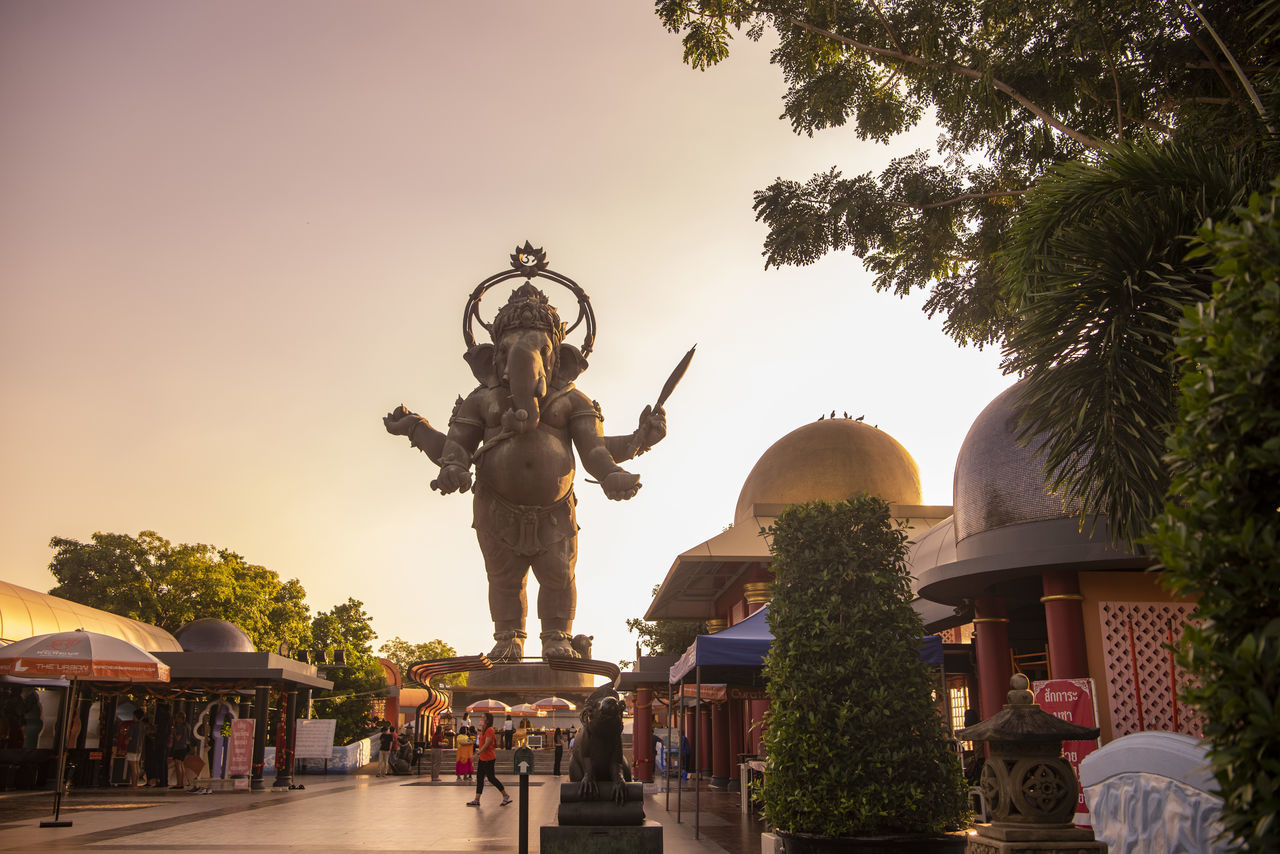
1235,66
967,197
972,74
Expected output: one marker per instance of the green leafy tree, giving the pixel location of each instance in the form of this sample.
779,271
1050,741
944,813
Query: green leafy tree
1219,537
1016,87
402,654
665,637
856,745
148,578
1082,145
361,681
1098,264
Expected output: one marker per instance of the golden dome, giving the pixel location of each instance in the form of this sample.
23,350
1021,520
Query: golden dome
831,460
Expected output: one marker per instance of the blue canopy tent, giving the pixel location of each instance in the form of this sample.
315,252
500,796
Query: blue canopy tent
746,644
736,654
742,645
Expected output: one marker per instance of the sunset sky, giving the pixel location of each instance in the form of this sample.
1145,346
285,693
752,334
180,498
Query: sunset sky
234,234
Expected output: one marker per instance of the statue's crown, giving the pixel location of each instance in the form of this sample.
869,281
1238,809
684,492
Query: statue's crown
528,308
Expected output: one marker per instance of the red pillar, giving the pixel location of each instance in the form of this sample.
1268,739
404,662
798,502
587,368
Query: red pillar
736,738
720,744
704,739
1064,620
642,737
991,634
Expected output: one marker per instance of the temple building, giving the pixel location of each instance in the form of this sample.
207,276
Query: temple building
1008,577
726,579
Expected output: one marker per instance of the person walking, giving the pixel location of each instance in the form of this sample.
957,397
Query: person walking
437,752
384,751
557,739
487,758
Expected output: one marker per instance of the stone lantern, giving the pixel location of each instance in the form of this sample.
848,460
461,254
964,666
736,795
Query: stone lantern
1030,789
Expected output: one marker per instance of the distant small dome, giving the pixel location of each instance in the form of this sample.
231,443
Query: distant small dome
210,635
998,482
831,460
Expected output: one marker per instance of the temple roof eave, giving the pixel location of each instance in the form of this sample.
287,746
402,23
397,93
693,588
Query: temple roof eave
699,576
1019,551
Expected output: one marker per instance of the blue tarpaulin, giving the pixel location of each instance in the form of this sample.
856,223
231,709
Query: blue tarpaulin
746,644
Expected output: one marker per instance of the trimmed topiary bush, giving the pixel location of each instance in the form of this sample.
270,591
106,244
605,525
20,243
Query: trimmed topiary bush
1219,538
856,745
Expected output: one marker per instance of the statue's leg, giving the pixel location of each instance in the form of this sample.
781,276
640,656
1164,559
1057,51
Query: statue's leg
557,597
508,603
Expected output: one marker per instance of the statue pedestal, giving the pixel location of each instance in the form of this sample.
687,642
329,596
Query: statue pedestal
588,839
998,838
603,810
523,682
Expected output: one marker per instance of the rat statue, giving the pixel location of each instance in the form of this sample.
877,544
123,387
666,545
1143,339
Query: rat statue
519,429
597,752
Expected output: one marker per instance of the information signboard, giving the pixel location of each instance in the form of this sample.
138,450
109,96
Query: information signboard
314,739
1071,700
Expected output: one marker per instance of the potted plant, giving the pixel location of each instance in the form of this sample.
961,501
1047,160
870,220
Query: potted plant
859,755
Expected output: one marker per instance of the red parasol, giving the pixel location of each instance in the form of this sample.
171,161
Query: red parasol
81,655
524,710
489,705
555,704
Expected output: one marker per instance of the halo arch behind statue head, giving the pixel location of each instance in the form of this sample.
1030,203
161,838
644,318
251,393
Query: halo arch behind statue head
585,313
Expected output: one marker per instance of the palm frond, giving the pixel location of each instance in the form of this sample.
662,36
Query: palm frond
1097,269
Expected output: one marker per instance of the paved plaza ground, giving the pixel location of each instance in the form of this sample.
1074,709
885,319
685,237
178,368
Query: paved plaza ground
340,814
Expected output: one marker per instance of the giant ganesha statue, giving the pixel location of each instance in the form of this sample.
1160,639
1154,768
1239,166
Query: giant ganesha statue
518,429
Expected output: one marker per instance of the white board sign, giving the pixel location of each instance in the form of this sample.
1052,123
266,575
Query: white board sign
314,739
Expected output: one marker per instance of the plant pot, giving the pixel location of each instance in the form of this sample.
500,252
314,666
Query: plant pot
903,843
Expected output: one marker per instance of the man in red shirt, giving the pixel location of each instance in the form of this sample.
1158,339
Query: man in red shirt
486,761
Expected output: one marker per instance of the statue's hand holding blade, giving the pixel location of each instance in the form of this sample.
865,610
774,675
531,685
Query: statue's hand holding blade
621,485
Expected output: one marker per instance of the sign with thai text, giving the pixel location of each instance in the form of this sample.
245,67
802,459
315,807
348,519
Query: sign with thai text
314,738
240,747
1071,700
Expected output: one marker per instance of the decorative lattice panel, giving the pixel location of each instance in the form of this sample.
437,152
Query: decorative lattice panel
1140,633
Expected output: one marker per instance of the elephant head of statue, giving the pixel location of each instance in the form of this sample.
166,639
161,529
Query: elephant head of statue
528,357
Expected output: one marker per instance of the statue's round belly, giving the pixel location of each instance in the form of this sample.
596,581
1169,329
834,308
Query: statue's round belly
534,469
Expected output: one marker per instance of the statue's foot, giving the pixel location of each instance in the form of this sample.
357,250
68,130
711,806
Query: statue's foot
509,646
557,645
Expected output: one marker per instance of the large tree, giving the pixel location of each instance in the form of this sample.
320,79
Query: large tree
150,579
361,681
1081,146
403,654
1016,87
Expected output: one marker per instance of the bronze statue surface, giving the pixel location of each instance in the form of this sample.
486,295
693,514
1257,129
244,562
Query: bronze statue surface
597,755
519,429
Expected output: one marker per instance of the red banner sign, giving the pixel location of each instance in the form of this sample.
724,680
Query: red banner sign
240,748
1071,700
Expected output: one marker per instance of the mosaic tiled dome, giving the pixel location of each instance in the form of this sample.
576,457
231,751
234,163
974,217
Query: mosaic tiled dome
998,482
